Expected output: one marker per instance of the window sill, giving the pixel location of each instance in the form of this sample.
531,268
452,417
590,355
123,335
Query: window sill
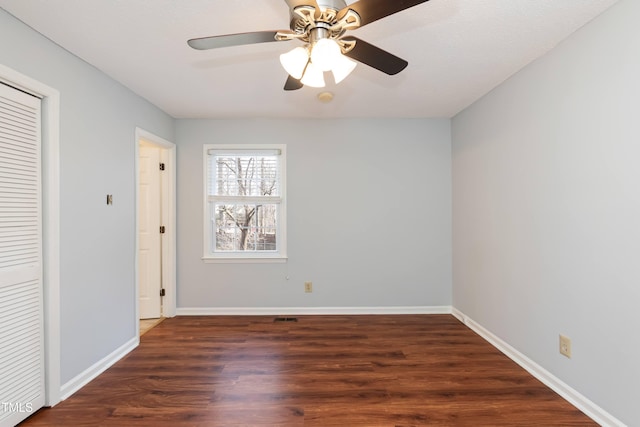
243,260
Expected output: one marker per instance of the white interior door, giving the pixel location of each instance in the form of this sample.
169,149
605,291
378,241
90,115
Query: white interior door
150,255
21,295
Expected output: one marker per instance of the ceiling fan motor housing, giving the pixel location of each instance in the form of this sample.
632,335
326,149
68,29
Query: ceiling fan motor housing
304,19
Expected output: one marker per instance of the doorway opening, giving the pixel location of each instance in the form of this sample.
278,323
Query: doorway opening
155,230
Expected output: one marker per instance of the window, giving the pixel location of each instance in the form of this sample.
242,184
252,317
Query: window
245,202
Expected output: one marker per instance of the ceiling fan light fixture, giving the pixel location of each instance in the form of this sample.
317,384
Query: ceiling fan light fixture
325,53
295,61
342,68
313,76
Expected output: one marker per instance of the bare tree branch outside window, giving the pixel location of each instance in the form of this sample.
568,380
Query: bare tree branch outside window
245,217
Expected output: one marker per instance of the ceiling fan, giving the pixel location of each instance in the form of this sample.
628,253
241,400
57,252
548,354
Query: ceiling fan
321,25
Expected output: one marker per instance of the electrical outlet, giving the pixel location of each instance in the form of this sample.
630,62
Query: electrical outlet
565,346
308,287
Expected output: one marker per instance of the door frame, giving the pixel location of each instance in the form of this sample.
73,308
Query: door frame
50,222
168,183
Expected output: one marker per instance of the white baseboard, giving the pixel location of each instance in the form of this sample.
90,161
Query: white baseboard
592,410
96,369
301,311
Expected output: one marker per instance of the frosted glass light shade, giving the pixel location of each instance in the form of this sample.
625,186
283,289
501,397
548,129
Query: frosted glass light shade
313,76
324,54
309,69
294,61
343,66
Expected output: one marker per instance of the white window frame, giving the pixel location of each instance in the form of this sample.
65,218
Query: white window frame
280,255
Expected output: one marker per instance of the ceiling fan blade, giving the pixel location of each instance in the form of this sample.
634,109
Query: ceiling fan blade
293,84
215,42
296,3
374,56
372,10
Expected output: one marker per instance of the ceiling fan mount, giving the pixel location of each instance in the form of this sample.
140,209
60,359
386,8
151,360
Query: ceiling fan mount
307,21
321,25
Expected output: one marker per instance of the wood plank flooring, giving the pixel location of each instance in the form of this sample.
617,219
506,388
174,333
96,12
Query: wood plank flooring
409,370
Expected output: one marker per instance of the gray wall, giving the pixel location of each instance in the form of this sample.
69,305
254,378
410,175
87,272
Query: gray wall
97,141
369,215
546,209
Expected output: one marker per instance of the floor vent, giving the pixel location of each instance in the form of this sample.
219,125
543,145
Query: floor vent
285,319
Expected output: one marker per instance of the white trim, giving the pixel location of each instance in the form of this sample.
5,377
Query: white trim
97,368
232,150
51,222
279,311
592,410
258,258
169,240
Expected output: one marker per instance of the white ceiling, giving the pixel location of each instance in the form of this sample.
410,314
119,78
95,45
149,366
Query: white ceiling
458,50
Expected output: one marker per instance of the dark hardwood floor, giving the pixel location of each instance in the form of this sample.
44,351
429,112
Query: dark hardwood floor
410,370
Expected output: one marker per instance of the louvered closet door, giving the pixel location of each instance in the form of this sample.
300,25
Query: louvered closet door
21,304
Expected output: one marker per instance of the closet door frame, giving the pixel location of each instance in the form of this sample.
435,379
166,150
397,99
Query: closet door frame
50,221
